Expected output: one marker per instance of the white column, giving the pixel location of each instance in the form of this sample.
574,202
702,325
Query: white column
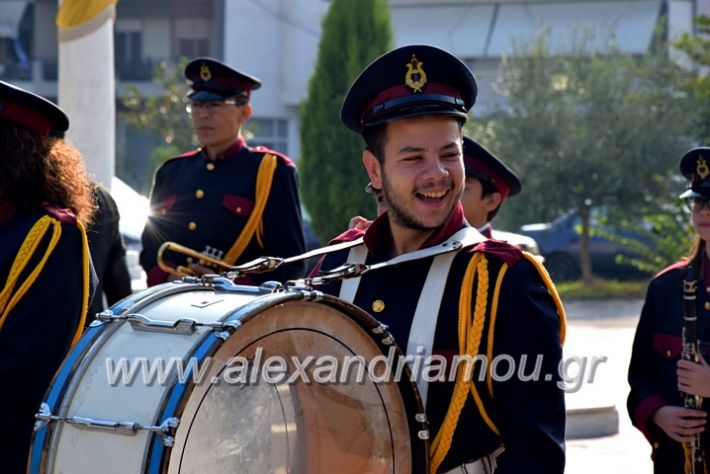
87,94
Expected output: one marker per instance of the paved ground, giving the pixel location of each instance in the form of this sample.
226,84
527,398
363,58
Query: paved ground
605,329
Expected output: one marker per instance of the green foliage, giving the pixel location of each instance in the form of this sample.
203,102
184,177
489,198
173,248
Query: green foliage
588,125
599,289
657,240
697,86
585,126
355,32
163,114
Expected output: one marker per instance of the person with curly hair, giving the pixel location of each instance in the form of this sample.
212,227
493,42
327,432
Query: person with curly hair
45,269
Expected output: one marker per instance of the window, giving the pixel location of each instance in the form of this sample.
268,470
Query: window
192,36
271,133
128,51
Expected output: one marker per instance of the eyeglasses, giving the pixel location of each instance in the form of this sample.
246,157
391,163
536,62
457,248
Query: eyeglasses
696,204
211,106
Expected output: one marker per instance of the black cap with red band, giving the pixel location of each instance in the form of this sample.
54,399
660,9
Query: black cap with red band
31,111
408,82
213,80
695,167
484,165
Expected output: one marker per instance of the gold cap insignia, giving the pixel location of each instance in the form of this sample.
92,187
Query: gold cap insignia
415,78
205,73
701,168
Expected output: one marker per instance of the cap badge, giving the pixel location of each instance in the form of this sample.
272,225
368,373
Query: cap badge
701,168
205,73
415,78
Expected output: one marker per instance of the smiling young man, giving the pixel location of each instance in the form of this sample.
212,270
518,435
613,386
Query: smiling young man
486,299
225,200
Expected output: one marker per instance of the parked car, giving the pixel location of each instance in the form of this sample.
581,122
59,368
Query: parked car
523,242
560,244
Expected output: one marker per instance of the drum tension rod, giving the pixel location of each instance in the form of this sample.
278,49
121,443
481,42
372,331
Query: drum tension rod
129,428
180,326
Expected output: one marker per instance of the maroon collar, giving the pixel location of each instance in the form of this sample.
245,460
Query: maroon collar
7,210
235,148
378,237
486,230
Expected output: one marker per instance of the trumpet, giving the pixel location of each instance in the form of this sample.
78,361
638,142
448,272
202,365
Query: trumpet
258,265
186,270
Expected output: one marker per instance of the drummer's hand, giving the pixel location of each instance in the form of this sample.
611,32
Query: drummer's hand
202,270
680,424
196,269
694,378
359,222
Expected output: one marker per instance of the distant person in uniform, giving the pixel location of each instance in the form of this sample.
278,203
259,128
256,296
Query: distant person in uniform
45,203
488,300
224,200
489,182
659,377
108,254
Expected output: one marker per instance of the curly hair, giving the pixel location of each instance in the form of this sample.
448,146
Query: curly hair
37,170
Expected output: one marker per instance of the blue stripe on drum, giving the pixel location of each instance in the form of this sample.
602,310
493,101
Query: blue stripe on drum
157,450
57,390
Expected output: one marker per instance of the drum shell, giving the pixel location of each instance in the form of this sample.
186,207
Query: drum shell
78,389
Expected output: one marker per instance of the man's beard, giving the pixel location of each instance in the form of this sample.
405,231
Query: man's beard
403,218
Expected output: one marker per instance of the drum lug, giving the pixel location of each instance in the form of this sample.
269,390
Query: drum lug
423,434
388,341
381,329
421,418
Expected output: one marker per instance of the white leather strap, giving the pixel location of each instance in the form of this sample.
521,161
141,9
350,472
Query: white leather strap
486,465
349,286
423,328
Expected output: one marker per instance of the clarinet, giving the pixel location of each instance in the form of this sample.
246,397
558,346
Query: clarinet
694,459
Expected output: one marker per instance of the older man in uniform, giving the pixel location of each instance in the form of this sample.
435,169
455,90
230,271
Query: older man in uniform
489,182
487,299
225,200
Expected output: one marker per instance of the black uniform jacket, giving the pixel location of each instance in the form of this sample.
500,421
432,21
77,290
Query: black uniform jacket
38,331
656,351
529,414
108,254
204,204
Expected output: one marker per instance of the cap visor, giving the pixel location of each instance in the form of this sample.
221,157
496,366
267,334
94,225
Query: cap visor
206,96
691,193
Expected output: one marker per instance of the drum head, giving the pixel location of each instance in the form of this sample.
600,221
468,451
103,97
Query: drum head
292,391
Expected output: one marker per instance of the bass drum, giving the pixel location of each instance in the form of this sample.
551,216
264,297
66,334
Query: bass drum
215,377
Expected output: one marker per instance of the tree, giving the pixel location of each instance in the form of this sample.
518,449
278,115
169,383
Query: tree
163,114
586,127
697,50
355,32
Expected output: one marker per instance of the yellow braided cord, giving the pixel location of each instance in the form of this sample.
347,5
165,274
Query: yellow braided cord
264,177
553,292
465,298
475,336
260,233
492,325
472,338
459,394
28,247
24,254
85,289
32,277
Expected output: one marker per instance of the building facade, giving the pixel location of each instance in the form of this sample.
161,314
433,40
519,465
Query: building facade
277,41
